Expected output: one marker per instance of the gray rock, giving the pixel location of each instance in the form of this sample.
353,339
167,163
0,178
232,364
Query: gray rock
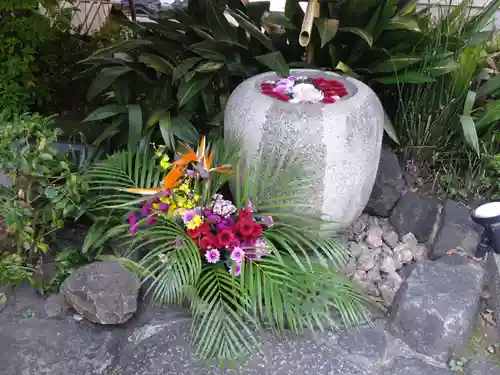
356,249
387,264
366,261
102,292
419,252
35,347
366,342
435,309
414,366
475,367
391,238
374,237
410,240
389,185
457,231
55,306
415,213
493,283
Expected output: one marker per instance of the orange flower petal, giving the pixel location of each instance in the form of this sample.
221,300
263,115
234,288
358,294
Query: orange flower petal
172,179
144,191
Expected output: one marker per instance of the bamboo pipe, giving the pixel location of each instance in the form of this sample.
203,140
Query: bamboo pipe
312,12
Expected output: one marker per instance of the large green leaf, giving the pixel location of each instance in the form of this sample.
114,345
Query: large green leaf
105,112
469,132
478,22
365,35
390,130
444,67
209,66
165,124
405,23
470,101
276,62
188,89
491,114
158,63
327,29
489,87
408,77
218,23
104,79
184,129
253,30
209,50
125,46
394,63
134,126
184,66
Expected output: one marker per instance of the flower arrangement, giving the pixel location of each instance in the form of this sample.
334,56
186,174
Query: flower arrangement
244,264
300,89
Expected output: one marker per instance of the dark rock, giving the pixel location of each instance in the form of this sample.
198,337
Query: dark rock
455,259
55,306
102,292
389,185
4,292
367,342
36,347
414,366
492,265
434,310
481,368
415,213
457,231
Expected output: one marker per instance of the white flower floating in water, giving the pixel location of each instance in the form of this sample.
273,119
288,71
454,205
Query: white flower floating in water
306,92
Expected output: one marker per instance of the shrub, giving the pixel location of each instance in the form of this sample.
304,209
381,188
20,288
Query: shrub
46,188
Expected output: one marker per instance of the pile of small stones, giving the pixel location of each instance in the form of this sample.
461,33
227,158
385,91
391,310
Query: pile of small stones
378,256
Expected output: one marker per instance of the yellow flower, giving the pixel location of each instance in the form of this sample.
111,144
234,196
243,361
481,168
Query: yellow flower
196,197
195,222
165,162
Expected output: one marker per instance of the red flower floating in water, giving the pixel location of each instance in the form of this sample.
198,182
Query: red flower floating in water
303,89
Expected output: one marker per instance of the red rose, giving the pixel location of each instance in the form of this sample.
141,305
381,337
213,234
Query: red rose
245,228
225,237
208,241
245,215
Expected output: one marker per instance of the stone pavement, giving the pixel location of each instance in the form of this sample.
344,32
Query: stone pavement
430,320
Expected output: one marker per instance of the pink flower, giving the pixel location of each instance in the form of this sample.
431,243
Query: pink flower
237,269
133,222
237,254
212,256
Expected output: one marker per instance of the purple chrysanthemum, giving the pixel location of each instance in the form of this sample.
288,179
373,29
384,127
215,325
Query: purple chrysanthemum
237,269
163,207
188,216
237,254
146,209
133,221
212,256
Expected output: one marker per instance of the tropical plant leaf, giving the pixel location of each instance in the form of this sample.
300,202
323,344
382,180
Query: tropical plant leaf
124,46
253,30
188,89
491,114
218,23
185,66
327,29
157,63
469,132
104,79
444,67
184,129
276,62
406,23
363,34
209,66
408,77
105,112
208,50
394,63
165,123
491,86
390,130
134,126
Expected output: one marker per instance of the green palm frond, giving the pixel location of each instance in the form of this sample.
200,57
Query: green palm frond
171,259
223,326
120,171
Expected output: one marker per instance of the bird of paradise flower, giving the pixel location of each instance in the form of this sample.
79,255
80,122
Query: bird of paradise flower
201,162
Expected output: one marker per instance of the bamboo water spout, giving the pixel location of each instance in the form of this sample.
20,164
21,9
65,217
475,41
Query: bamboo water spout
312,12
